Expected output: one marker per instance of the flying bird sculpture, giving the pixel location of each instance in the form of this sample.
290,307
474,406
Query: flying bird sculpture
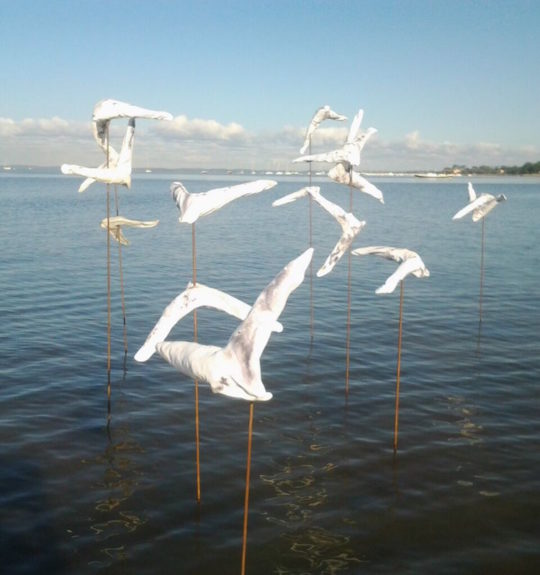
480,206
233,370
350,152
343,175
323,113
410,263
350,225
116,223
193,206
104,112
118,172
192,298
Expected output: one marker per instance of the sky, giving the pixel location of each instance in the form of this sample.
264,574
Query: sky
444,81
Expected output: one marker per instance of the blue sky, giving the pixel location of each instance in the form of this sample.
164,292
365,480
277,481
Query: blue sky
444,82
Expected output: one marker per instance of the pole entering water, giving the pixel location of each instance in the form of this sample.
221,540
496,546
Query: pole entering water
482,268
398,371
311,313
348,338
195,329
246,499
121,276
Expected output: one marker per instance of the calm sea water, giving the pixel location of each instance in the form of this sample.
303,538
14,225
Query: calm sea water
91,487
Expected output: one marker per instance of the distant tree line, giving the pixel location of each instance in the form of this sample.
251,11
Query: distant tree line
525,169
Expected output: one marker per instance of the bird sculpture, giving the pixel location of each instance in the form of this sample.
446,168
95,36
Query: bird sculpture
118,171
193,297
234,370
104,112
193,206
410,263
480,205
323,113
116,223
350,152
350,225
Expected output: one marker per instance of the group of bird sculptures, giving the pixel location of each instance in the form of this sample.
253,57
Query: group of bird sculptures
234,370
245,351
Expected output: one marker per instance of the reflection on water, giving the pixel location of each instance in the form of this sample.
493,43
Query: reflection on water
465,415
298,505
113,518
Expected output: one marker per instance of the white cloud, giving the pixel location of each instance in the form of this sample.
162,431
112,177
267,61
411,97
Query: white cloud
201,143
183,127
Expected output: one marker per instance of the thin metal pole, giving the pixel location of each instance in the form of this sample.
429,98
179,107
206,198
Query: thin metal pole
311,312
108,273
348,338
121,277
195,335
398,371
482,268
246,498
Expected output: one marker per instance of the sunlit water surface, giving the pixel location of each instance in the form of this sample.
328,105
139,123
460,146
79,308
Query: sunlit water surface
92,487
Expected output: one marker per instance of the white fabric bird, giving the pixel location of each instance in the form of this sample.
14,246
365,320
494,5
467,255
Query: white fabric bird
410,263
324,113
350,225
350,152
104,112
192,298
107,110
340,174
118,172
193,206
116,223
233,370
479,206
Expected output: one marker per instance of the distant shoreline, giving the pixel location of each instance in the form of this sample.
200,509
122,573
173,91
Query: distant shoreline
420,174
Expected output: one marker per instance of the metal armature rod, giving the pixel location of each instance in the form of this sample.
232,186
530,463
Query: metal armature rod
246,497
482,268
311,312
121,277
398,370
108,285
108,272
195,335
348,337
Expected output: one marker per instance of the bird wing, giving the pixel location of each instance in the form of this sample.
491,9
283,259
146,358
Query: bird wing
323,113
249,339
126,222
409,266
205,203
473,206
354,128
110,109
487,206
350,230
387,252
182,199
472,193
366,187
119,174
318,117
294,196
193,297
